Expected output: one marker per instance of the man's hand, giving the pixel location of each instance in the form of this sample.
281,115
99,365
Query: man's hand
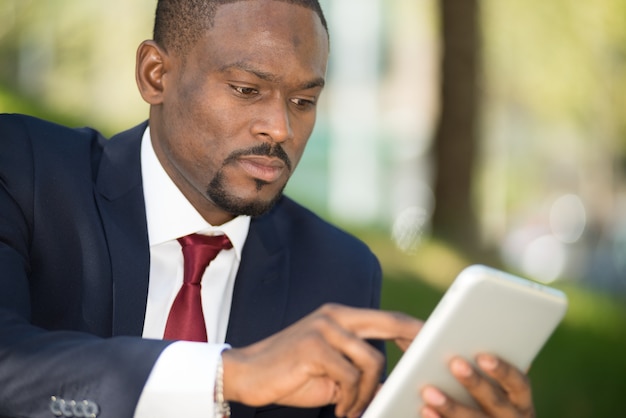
506,395
319,360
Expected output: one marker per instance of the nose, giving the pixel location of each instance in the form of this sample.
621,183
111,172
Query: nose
274,123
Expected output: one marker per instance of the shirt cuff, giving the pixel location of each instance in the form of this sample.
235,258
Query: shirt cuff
181,382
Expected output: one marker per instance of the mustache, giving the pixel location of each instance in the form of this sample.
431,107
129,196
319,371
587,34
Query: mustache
264,149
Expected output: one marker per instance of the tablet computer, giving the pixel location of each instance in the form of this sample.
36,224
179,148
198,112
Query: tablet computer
484,311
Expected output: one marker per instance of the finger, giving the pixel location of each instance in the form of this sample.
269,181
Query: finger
439,405
346,378
368,361
490,396
375,324
513,381
299,366
402,343
371,363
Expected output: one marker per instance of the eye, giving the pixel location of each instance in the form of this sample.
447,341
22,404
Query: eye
303,103
244,91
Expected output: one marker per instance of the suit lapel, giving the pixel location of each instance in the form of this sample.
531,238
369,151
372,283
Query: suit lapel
119,195
261,287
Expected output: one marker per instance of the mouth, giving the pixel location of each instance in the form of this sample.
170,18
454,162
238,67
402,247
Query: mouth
266,169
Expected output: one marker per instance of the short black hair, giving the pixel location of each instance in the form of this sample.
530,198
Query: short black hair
178,24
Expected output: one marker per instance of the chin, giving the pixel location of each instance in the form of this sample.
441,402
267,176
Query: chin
250,207
254,203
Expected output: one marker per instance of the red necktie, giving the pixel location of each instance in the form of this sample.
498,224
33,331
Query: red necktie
186,320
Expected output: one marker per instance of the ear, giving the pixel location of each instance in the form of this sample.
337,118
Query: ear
151,66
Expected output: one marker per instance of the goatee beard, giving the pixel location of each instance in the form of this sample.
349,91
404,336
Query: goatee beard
219,195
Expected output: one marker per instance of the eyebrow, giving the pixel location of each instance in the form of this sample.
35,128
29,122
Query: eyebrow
244,66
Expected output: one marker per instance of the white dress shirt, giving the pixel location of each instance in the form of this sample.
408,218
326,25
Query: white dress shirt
182,380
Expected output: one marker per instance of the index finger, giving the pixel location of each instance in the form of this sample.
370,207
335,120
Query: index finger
374,324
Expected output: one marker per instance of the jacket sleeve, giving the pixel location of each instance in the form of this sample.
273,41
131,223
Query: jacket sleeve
45,372
39,368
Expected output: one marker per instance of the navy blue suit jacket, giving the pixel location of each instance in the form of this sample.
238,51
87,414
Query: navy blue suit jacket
74,265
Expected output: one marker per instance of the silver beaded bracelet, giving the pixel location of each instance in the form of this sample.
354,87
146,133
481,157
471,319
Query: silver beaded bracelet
222,408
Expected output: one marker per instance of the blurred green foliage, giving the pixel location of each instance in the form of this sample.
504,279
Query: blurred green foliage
580,373
555,101
15,103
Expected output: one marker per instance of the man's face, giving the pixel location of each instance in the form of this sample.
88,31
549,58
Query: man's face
237,111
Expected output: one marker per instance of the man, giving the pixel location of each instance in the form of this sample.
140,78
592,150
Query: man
91,260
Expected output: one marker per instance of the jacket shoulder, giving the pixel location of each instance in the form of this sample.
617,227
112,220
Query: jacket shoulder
25,140
17,126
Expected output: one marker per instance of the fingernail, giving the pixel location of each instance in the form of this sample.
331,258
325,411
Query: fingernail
461,368
433,396
487,362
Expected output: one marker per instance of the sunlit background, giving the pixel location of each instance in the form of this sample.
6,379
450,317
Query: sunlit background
547,184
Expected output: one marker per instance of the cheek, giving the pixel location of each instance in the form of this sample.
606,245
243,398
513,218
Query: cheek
201,109
193,149
208,141
203,127
214,117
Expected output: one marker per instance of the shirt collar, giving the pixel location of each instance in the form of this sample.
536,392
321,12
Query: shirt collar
170,215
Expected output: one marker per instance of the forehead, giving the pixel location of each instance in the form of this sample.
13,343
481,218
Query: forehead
265,33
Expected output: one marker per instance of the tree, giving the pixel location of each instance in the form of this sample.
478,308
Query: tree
456,140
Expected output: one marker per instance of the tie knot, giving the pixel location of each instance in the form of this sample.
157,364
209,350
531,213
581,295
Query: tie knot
218,242
199,251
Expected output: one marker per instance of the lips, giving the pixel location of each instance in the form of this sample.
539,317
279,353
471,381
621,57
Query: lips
262,168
